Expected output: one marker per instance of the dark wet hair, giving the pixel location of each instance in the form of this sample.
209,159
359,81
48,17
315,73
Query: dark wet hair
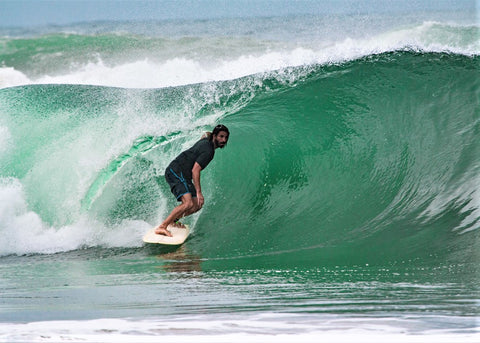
219,128
216,131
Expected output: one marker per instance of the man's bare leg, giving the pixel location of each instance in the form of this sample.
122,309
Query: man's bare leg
195,208
186,208
176,213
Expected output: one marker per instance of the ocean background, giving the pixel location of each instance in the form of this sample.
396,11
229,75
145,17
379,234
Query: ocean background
346,206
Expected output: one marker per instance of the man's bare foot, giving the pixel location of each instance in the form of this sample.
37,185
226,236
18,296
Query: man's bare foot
163,231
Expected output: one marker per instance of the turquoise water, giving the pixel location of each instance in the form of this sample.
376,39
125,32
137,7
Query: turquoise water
346,203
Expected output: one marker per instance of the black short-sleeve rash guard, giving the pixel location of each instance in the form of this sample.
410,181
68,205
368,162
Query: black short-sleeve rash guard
201,152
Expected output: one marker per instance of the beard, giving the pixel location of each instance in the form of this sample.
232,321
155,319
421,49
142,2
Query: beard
219,144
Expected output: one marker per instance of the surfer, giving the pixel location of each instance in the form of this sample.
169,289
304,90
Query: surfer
183,176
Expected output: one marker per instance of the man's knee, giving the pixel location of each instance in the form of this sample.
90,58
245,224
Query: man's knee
188,204
192,207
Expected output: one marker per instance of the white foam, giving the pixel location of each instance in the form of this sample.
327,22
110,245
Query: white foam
251,328
9,77
181,70
24,232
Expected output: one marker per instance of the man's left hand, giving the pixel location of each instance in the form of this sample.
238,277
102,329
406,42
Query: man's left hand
200,200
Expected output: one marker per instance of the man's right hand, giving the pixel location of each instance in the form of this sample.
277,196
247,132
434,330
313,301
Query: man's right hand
163,231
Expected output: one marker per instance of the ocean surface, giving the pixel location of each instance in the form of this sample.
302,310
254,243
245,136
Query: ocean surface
346,205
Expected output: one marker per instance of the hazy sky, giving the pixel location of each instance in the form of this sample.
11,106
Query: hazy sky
22,13
41,12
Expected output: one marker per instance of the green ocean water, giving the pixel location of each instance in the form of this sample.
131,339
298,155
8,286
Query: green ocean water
361,172
334,163
347,199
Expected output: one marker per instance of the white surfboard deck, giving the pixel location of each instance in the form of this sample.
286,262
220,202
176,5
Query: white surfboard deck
179,236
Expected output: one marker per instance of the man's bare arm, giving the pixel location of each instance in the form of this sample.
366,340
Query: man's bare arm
196,182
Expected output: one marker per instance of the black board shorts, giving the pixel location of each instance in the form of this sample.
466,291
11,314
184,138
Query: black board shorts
179,185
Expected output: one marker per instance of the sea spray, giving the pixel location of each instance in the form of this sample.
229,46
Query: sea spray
142,61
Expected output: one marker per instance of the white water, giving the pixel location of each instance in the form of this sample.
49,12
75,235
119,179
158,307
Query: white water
267,327
181,70
24,232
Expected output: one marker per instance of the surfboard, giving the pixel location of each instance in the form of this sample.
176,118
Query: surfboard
179,236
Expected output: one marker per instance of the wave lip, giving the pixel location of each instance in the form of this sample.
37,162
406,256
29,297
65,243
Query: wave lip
151,67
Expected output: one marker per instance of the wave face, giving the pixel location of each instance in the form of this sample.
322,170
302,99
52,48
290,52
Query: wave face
374,157
347,148
377,157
